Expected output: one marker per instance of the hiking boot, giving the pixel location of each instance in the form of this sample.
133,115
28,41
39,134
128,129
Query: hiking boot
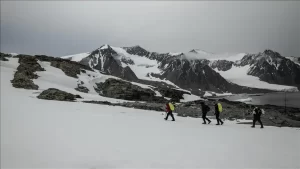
218,124
173,120
222,123
209,122
253,126
262,127
165,118
203,123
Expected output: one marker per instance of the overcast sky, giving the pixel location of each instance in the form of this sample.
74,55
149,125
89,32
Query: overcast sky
62,28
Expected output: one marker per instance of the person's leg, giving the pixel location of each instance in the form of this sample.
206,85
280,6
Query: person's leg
207,120
217,117
172,116
167,116
261,125
254,121
203,117
221,121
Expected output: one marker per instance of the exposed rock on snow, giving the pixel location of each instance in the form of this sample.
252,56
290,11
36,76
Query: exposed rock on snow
56,94
221,65
21,80
232,110
175,95
120,89
81,88
271,67
70,68
25,72
3,56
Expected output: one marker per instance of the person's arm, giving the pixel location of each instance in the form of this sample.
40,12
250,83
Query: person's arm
262,111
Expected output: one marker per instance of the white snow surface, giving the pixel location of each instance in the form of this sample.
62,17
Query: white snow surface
14,54
207,94
188,98
238,75
104,46
52,134
76,57
175,53
294,59
245,100
214,56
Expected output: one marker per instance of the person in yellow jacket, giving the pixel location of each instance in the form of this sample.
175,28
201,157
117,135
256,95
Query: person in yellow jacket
169,109
218,110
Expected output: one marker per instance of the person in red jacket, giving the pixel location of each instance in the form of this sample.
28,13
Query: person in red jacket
169,112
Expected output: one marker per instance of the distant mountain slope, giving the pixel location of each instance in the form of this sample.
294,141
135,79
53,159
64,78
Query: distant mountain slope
197,71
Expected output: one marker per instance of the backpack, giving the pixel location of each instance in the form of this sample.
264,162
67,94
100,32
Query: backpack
171,106
220,107
207,108
257,111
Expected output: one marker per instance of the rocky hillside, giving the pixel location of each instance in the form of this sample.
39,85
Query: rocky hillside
273,68
195,74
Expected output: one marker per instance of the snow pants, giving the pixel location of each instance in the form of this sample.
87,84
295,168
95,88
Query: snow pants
170,113
218,118
257,118
205,118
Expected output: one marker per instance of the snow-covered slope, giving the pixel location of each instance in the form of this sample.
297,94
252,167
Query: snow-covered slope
51,134
238,75
141,66
267,70
76,57
56,78
294,59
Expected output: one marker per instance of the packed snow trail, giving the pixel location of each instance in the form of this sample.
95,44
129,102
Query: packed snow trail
42,134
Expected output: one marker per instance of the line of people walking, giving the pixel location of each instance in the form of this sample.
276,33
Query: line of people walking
257,112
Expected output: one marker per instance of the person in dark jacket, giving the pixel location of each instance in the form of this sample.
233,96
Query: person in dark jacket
205,109
217,113
169,112
257,112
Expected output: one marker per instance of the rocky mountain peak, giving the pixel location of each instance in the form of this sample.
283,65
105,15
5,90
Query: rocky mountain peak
271,53
136,50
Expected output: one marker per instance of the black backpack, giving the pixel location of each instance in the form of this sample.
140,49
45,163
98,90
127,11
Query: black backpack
258,111
207,108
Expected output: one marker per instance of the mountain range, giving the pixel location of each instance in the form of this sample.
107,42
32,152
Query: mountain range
197,71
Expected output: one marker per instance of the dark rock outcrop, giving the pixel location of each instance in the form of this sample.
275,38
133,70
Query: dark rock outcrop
136,50
273,68
3,56
104,60
56,94
26,72
221,65
81,88
174,94
274,115
70,68
21,80
120,89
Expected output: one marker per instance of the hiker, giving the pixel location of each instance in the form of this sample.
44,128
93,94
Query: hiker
169,109
205,109
257,112
218,110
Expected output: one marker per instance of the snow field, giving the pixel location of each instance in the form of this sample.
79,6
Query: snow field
238,75
76,57
51,134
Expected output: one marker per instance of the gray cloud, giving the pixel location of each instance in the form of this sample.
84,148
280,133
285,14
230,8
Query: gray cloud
68,27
